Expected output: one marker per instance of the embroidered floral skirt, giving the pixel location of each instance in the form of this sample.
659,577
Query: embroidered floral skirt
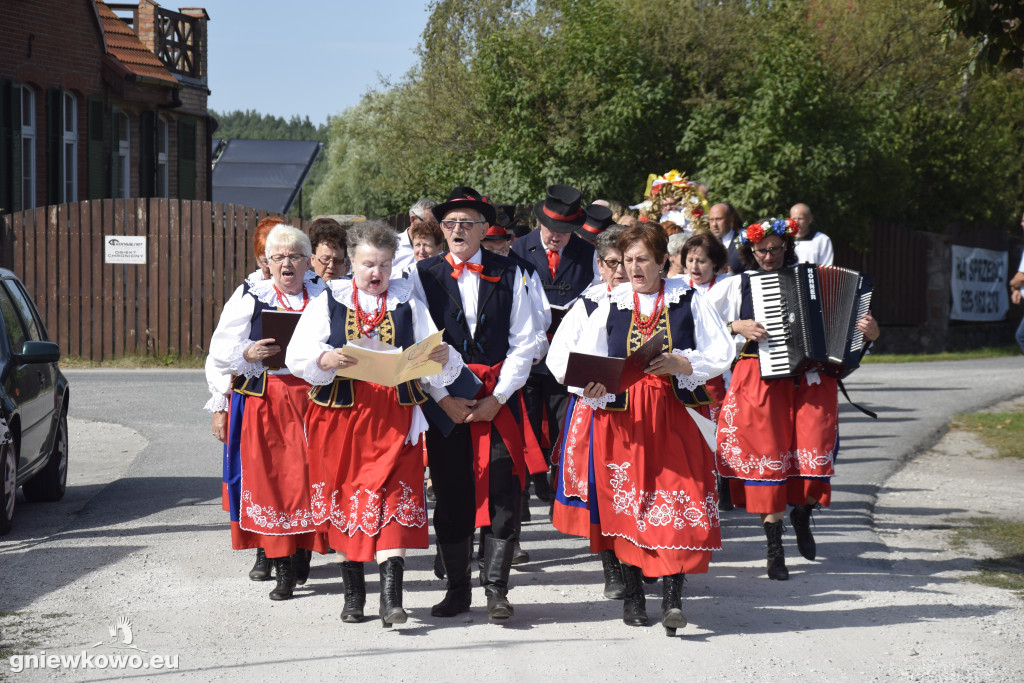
655,484
777,438
366,481
274,511
572,512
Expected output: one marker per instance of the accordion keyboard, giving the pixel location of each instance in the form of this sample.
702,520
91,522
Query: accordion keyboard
770,309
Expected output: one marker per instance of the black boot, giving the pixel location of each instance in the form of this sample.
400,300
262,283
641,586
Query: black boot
541,488
672,603
724,495
300,563
524,515
800,518
438,564
776,555
456,558
520,556
391,611
285,579
497,565
634,603
261,570
613,588
354,577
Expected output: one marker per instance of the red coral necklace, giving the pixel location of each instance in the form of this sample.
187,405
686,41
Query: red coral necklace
647,326
367,323
283,302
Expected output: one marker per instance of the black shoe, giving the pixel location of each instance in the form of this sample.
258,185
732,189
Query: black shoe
430,494
391,573
354,577
800,518
776,555
524,508
542,489
300,562
497,565
459,595
519,556
724,495
634,603
261,570
285,579
672,603
613,586
438,564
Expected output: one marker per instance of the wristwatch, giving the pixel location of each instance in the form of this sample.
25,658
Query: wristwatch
728,326
500,398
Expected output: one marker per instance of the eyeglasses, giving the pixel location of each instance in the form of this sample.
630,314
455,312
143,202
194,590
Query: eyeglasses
294,258
611,263
451,225
769,251
262,260
326,260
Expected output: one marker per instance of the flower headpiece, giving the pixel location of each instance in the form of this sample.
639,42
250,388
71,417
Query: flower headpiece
754,233
692,203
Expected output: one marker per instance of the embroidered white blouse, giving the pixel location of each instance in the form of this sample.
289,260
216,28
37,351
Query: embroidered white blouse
231,338
314,329
712,357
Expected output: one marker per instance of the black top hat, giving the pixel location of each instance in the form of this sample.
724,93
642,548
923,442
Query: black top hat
463,197
599,218
497,232
560,211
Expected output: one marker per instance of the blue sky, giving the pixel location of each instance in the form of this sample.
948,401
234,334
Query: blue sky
312,57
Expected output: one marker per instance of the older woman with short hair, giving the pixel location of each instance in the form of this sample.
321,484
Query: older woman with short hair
274,512
654,474
366,458
330,248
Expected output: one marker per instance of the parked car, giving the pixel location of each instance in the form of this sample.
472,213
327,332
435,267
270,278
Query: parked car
33,404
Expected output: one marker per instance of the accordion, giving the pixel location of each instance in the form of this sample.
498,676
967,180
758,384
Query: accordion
811,315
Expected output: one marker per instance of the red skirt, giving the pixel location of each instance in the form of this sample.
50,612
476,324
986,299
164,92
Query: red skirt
655,483
366,481
771,431
274,512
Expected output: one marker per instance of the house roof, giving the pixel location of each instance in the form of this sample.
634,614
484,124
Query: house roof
124,46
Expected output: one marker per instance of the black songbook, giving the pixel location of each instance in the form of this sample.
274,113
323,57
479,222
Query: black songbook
617,374
466,385
558,314
279,326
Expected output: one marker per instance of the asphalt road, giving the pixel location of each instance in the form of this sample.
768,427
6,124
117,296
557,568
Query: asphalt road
141,534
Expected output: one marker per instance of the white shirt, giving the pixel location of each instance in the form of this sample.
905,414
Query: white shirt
314,329
727,238
816,250
712,356
231,338
404,259
522,335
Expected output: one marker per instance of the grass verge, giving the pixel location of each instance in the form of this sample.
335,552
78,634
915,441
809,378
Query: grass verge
973,354
1006,538
133,362
1003,432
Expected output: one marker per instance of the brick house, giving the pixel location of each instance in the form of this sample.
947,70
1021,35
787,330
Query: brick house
101,100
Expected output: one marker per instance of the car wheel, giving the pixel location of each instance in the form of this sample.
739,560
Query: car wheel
10,487
50,484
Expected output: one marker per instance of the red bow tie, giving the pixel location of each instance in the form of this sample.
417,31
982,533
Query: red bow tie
477,268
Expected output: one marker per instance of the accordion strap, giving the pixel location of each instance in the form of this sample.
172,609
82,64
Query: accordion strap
858,407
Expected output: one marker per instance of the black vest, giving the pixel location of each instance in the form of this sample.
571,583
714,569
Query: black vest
396,329
489,345
747,313
677,323
575,267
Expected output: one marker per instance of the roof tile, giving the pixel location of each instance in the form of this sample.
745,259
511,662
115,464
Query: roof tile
124,46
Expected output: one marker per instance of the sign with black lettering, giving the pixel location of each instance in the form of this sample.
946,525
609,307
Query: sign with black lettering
124,249
979,284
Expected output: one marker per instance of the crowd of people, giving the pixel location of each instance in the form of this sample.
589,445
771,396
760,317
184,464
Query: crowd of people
316,461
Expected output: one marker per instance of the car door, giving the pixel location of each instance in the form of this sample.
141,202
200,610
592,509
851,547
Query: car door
25,385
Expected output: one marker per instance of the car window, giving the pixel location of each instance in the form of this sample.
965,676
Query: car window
13,328
24,304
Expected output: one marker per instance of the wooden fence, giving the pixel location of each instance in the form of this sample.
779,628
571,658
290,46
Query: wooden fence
197,253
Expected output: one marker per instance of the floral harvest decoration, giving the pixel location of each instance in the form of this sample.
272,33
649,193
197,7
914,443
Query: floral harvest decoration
755,232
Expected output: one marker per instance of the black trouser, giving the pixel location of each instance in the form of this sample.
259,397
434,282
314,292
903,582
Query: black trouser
546,399
451,471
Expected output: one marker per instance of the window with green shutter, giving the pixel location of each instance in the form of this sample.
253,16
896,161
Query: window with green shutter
186,158
98,180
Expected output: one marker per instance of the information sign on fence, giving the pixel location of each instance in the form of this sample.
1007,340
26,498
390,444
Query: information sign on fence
979,284
124,249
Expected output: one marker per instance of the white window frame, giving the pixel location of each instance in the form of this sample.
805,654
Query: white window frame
163,176
28,134
123,130
69,148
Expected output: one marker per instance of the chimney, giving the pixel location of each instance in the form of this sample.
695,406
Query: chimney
145,24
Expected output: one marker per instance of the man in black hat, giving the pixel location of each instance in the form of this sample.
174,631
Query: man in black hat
481,302
599,219
566,265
